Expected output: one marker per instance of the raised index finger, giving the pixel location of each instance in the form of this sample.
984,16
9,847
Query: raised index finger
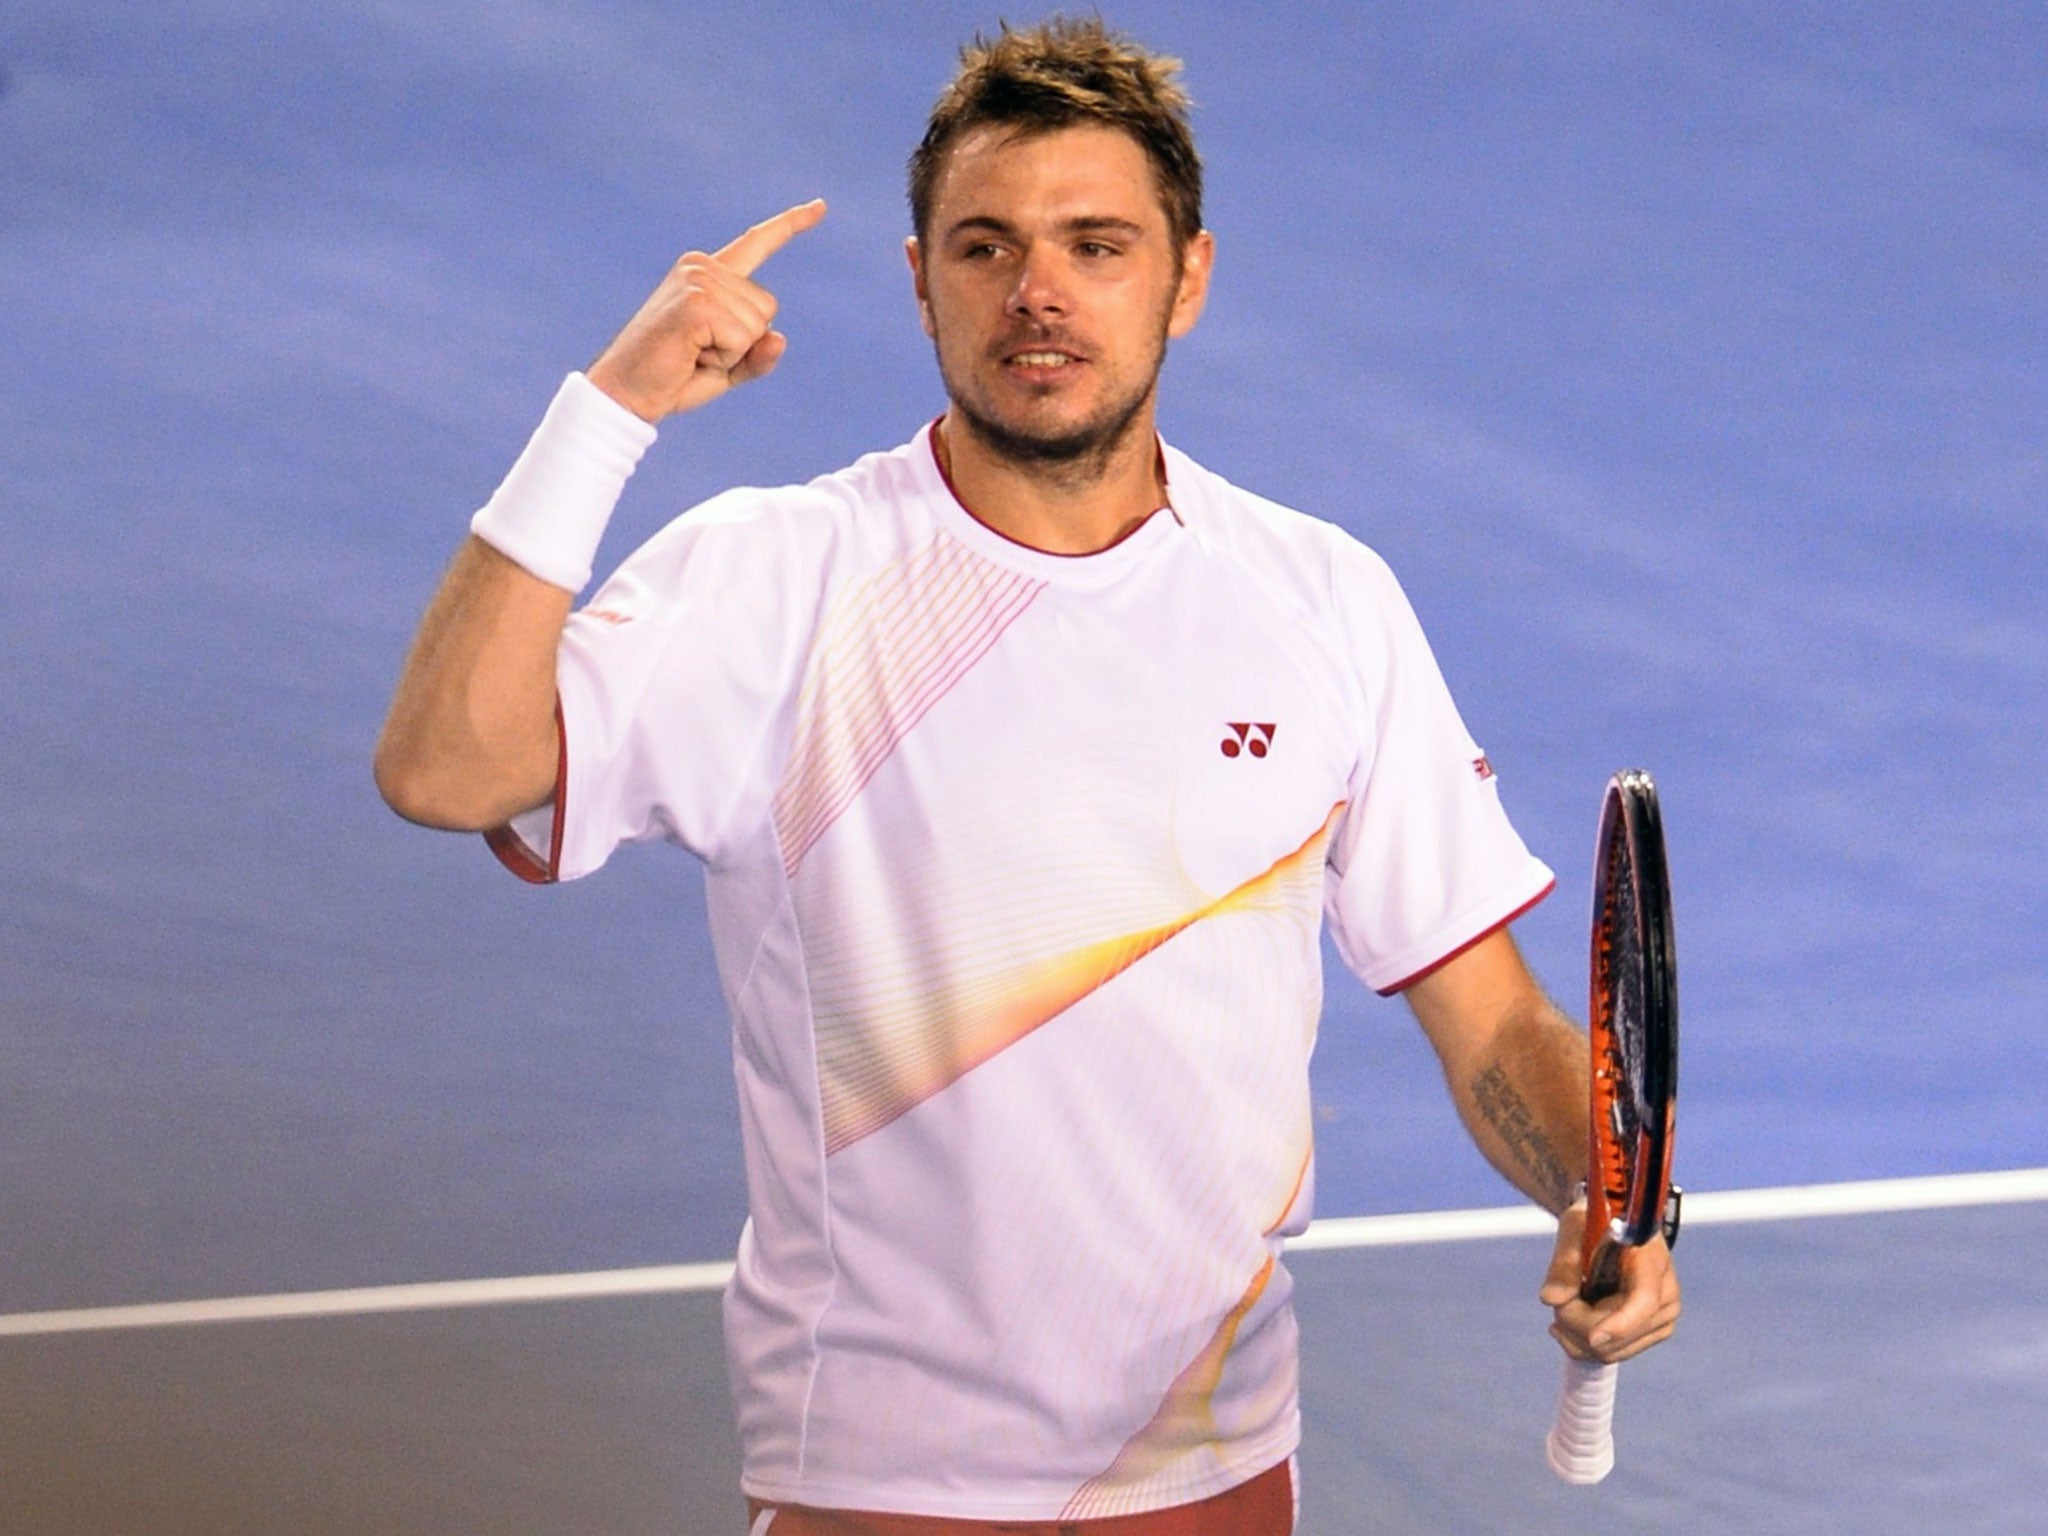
770,236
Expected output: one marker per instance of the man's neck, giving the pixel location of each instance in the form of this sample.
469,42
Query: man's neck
1063,509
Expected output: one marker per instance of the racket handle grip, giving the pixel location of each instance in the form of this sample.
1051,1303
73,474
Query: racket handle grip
1581,1445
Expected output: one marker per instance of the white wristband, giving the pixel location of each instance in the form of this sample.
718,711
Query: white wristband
551,510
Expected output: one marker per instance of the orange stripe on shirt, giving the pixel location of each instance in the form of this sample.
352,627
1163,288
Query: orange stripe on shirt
867,1080
1185,1422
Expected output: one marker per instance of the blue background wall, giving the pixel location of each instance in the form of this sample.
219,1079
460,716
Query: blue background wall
1687,362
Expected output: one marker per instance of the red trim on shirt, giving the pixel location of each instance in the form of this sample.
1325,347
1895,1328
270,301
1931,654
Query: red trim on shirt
511,850
946,474
1485,933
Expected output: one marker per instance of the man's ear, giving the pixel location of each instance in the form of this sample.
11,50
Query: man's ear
915,254
1196,262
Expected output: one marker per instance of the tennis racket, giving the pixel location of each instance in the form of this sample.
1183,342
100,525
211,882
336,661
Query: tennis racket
1634,1027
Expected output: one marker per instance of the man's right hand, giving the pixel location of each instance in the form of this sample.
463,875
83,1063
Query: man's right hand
471,736
705,329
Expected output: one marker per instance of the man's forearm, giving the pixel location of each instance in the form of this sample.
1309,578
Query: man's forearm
470,740
1525,1103
1515,1065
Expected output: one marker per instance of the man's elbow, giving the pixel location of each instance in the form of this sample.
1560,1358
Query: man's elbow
427,795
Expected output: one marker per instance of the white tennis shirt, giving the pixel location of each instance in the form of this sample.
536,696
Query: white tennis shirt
1016,864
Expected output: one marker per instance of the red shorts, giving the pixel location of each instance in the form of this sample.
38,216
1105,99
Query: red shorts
1262,1507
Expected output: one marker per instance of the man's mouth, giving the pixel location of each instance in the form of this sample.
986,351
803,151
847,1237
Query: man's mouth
1043,357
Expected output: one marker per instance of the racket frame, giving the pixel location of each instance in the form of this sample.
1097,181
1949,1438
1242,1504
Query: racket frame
1630,1199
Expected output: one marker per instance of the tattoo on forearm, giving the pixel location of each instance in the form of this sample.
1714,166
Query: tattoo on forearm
1509,1114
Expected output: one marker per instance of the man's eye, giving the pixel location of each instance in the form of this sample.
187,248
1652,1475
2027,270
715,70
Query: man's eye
1095,248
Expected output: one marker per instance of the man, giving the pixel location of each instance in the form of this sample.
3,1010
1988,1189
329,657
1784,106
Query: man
1025,761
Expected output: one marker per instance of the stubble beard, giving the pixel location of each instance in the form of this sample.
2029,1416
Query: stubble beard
1075,456
1079,454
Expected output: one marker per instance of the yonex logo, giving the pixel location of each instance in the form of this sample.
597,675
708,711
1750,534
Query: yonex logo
1482,768
1246,737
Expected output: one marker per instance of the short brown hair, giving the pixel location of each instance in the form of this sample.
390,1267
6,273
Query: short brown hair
1063,72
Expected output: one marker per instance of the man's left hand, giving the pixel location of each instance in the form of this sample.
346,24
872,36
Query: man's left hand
1642,1313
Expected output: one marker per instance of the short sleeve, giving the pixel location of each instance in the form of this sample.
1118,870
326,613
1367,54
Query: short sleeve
671,687
1424,861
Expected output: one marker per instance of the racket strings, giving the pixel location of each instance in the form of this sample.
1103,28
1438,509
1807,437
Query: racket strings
1618,1032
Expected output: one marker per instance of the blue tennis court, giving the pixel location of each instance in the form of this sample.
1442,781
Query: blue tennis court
1684,364
1874,1372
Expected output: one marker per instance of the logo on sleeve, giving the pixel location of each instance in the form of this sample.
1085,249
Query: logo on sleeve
1482,768
1246,737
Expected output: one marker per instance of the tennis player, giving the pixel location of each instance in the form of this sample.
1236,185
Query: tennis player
1026,760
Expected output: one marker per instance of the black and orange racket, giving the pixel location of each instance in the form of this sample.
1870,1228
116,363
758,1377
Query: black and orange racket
1634,1026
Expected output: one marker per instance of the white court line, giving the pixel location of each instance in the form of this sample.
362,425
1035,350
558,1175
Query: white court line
1703,1208
1706,1208
377,1298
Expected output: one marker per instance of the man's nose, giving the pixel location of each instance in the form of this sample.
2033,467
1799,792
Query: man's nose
1040,291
